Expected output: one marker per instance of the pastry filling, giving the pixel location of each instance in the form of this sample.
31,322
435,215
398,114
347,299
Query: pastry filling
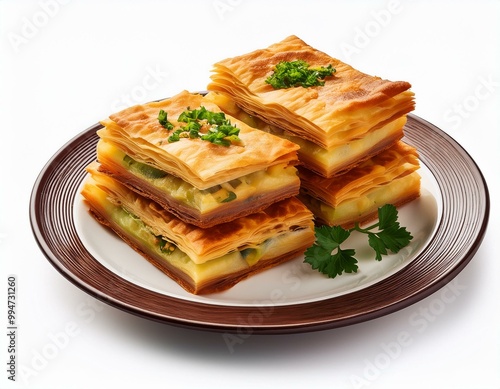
326,162
363,206
245,188
134,229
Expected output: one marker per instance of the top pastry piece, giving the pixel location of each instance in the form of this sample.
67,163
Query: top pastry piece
201,182
349,104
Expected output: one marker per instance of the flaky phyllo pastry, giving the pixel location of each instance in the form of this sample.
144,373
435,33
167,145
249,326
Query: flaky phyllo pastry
390,177
202,183
200,260
352,117
212,188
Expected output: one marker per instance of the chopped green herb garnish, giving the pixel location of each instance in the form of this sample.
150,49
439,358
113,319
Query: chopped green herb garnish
203,124
329,258
298,73
162,118
223,135
176,135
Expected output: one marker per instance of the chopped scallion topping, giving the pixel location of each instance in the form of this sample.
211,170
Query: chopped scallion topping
288,74
202,124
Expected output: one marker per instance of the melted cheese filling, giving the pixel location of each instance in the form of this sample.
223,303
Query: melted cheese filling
245,188
364,204
325,161
239,260
330,161
391,164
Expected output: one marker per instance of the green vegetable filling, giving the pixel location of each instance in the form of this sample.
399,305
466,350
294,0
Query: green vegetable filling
143,169
221,194
165,246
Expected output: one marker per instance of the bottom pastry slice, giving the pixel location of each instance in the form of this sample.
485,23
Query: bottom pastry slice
200,260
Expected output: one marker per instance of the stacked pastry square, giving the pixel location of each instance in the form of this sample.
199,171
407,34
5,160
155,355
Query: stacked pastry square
207,208
349,128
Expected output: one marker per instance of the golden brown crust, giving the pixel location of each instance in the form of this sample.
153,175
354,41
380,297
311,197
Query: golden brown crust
136,131
392,163
214,285
320,114
389,177
353,89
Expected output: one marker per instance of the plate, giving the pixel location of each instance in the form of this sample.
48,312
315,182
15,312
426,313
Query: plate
294,281
448,221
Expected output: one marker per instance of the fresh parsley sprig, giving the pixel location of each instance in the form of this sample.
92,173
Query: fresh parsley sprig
288,74
385,236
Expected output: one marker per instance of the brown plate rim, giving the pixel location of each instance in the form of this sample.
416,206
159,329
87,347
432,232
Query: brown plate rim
465,214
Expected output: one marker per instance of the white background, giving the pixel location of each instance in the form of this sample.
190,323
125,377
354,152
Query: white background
64,65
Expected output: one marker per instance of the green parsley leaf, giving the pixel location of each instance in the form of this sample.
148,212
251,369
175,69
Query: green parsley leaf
326,255
331,238
378,245
387,216
385,236
288,74
395,238
390,236
344,261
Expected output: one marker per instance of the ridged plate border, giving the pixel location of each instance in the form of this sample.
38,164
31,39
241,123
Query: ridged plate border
458,236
